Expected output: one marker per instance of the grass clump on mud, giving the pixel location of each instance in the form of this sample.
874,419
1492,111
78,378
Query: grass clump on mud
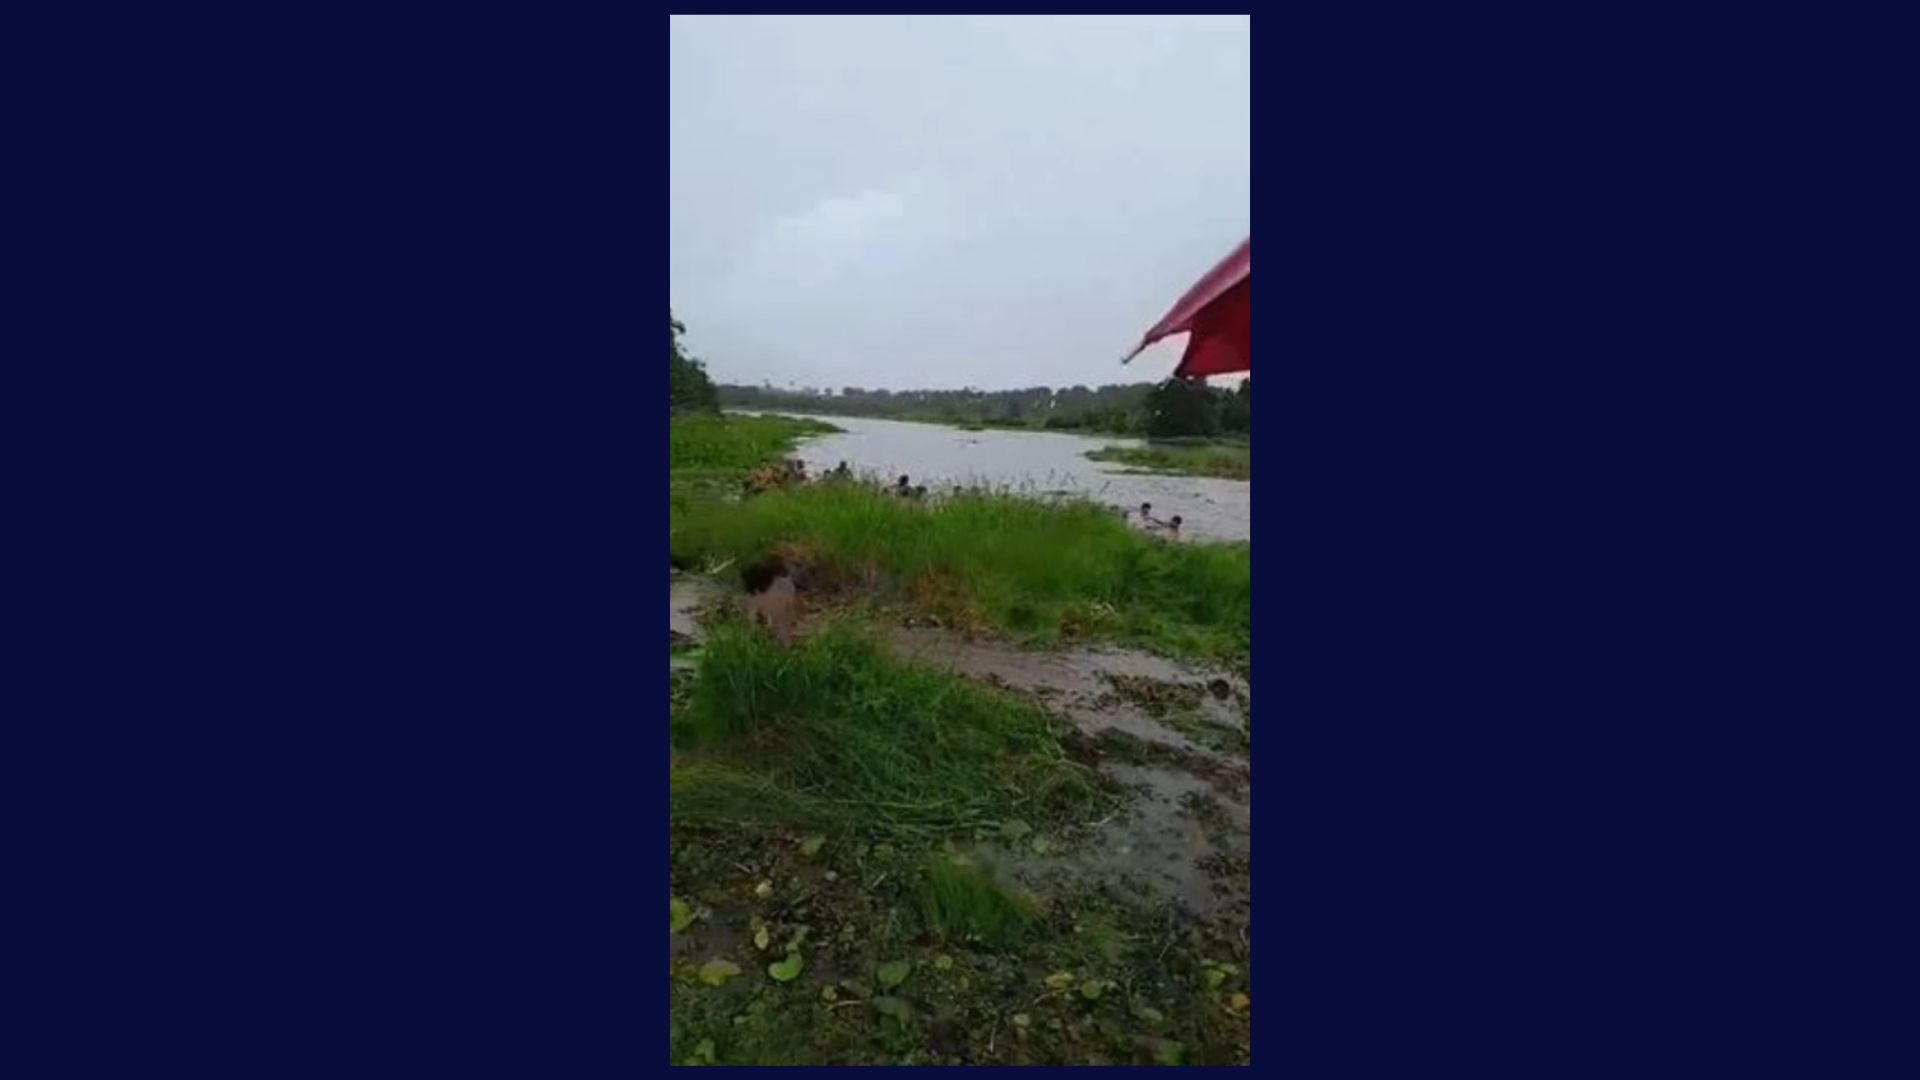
1037,571
960,899
837,733
1225,460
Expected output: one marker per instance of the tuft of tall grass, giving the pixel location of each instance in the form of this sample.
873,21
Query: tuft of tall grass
1035,569
837,731
959,899
703,790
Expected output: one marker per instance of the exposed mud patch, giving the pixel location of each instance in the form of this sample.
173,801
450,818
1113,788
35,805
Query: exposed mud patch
1191,696
1172,734
1166,846
1081,684
686,596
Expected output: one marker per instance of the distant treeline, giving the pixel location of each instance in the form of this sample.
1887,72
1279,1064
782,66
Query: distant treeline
1170,409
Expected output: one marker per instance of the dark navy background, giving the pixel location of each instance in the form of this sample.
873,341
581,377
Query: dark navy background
359,714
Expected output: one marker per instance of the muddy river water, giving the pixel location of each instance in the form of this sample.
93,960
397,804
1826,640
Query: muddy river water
1039,463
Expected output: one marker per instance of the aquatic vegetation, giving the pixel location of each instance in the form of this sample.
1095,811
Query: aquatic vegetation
1224,460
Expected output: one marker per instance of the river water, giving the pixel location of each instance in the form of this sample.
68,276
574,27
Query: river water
1031,462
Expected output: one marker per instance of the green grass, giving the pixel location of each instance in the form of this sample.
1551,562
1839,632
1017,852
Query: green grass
821,791
837,733
1226,460
969,1000
733,443
1036,571
960,900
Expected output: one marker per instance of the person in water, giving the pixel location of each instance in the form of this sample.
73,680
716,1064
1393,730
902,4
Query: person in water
1173,526
1147,518
904,488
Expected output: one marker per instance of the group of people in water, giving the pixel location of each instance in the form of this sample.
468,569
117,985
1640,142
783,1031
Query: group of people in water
791,472
776,474
1171,526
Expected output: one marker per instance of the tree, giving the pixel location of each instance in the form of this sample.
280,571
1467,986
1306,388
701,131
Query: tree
689,389
1235,409
1178,407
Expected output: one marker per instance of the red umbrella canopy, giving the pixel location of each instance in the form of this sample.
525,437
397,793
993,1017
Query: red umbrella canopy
1217,313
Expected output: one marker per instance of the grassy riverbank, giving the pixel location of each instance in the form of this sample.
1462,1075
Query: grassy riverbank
983,561
840,819
1225,460
734,443
1025,569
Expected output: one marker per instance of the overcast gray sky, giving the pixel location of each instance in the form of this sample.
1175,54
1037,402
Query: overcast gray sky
945,201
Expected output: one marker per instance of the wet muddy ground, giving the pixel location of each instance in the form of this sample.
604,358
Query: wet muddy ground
1145,721
1174,736
1144,955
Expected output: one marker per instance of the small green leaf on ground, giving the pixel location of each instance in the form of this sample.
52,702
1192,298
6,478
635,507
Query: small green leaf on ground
811,845
1021,1020
1169,1052
942,962
704,1051
895,973
1215,977
1042,845
1060,980
786,970
1014,830
894,1007
761,937
1149,1014
682,916
715,972
763,890
1091,989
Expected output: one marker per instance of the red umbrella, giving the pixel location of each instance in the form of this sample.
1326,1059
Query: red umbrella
1217,313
